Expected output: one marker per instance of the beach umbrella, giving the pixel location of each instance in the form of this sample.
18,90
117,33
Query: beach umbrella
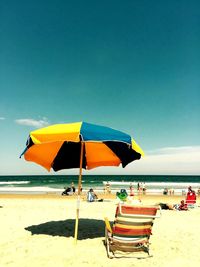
80,145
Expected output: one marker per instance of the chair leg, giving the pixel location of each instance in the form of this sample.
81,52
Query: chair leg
110,254
106,236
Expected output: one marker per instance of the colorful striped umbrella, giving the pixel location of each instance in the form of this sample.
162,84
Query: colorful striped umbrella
80,145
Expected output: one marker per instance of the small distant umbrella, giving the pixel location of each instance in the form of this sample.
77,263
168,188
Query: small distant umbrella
80,145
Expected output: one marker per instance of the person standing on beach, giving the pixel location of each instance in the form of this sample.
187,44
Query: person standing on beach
138,187
144,189
171,191
107,188
198,191
165,191
131,190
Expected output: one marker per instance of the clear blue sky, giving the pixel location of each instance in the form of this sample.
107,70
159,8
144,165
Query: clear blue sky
131,65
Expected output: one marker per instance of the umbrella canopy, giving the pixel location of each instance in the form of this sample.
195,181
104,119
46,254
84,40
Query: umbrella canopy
80,145
59,146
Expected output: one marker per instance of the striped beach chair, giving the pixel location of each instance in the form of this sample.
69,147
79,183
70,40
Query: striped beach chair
191,199
131,230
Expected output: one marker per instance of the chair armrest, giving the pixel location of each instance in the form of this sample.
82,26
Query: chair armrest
107,224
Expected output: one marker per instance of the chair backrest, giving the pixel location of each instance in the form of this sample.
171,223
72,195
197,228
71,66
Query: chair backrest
137,211
191,198
134,222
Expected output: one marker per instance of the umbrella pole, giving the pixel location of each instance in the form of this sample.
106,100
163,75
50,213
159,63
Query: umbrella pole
79,192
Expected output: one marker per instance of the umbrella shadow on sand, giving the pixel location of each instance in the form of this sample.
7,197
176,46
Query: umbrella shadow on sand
88,228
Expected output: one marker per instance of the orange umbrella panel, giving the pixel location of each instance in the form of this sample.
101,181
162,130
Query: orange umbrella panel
66,155
59,147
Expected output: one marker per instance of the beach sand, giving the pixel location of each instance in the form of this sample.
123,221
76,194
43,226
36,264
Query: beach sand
37,230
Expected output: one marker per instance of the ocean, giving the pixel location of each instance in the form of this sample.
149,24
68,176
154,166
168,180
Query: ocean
55,183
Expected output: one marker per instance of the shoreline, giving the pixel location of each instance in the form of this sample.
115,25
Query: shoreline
54,191
84,195
147,198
